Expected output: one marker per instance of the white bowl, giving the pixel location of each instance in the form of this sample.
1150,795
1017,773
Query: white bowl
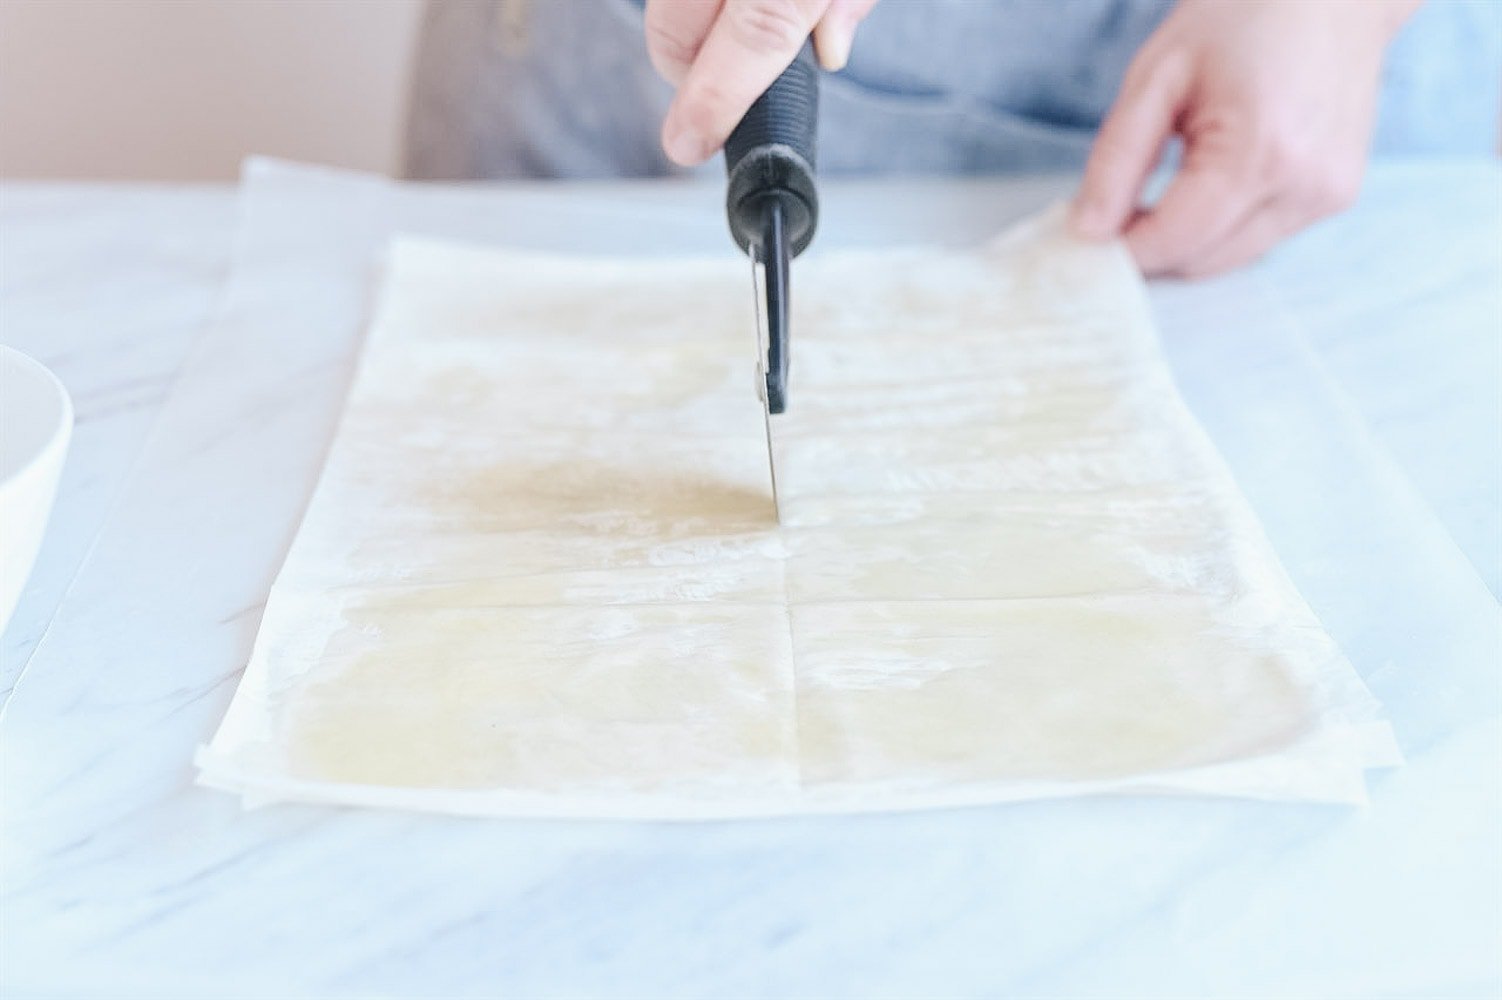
36,421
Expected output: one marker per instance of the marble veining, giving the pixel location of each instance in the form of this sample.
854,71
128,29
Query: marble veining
1350,381
108,287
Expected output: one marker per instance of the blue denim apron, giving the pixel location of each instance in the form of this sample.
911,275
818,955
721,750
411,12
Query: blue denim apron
563,88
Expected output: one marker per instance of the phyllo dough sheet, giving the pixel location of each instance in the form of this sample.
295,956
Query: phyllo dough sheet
542,574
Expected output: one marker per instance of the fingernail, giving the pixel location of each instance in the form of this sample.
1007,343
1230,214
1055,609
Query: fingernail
683,146
832,42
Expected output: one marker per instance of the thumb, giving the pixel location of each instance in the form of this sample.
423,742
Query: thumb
749,44
1128,145
836,32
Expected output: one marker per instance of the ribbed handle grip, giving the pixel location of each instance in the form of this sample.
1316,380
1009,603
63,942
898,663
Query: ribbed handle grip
786,115
771,154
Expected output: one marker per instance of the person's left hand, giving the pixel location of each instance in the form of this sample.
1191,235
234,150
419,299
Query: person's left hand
1274,101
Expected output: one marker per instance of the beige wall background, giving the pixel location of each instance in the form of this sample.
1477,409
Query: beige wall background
185,89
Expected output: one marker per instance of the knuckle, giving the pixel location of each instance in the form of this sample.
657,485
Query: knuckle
770,25
668,46
1304,170
1226,141
1280,159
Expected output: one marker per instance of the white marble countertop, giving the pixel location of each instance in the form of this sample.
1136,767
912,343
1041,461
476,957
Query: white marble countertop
1353,381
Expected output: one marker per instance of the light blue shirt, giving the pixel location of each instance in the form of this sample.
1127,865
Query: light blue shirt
563,88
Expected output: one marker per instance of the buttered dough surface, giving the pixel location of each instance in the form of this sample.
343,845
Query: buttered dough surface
542,574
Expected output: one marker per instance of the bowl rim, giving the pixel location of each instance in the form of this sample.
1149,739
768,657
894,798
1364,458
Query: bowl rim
61,429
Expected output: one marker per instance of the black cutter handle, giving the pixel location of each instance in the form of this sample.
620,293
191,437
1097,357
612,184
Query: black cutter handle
770,157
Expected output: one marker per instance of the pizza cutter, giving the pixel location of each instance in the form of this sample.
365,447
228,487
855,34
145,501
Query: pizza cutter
773,208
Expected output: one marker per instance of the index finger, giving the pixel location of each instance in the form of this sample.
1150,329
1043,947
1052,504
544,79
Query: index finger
675,30
1128,145
750,43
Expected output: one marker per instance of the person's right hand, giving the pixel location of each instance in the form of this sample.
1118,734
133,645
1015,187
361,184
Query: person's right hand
722,54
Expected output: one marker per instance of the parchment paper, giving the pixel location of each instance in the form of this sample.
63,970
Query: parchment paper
541,573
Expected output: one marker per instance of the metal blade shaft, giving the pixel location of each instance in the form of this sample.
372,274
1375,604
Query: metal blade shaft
763,377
